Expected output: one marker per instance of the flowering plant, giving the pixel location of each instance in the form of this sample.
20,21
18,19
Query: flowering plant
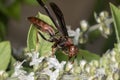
38,64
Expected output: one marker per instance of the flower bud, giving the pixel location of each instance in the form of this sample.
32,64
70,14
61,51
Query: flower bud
84,25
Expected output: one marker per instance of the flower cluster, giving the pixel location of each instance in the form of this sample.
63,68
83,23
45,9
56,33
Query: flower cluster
103,25
49,68
107,68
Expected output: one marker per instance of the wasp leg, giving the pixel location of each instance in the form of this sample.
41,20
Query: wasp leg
54,48
53,51
49,40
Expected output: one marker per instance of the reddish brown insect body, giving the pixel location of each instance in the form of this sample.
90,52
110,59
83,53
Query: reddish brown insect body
63,41
41,25
66,45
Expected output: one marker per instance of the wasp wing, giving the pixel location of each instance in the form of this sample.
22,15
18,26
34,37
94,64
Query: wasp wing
60,18
41,2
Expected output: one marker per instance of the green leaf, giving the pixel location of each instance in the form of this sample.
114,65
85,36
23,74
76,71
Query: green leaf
5,55
84,54
45,47
61,56
11,66
32,38
116,19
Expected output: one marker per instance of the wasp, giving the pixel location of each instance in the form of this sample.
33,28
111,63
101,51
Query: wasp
63,41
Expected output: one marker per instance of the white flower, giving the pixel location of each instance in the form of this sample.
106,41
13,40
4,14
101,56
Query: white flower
69,67
82,64
21,74
100,72
18,71
83,76
75,34
35,59
94,63
114,67
76,37
110,77
1,72
87,68
52,74
84,25
104,15
26,76
30,76
71,32
53,62
69,77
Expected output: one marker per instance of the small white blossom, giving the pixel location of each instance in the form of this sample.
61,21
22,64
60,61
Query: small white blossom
110,77
84,25
52,74
70,31
26,76
100,72
20,73
87,68
3,75
112,52
18,69
94,63
82,64
2,72
83,76
104,15
35,59
76,37
30,76
114,67
53,63
68,77
69,66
